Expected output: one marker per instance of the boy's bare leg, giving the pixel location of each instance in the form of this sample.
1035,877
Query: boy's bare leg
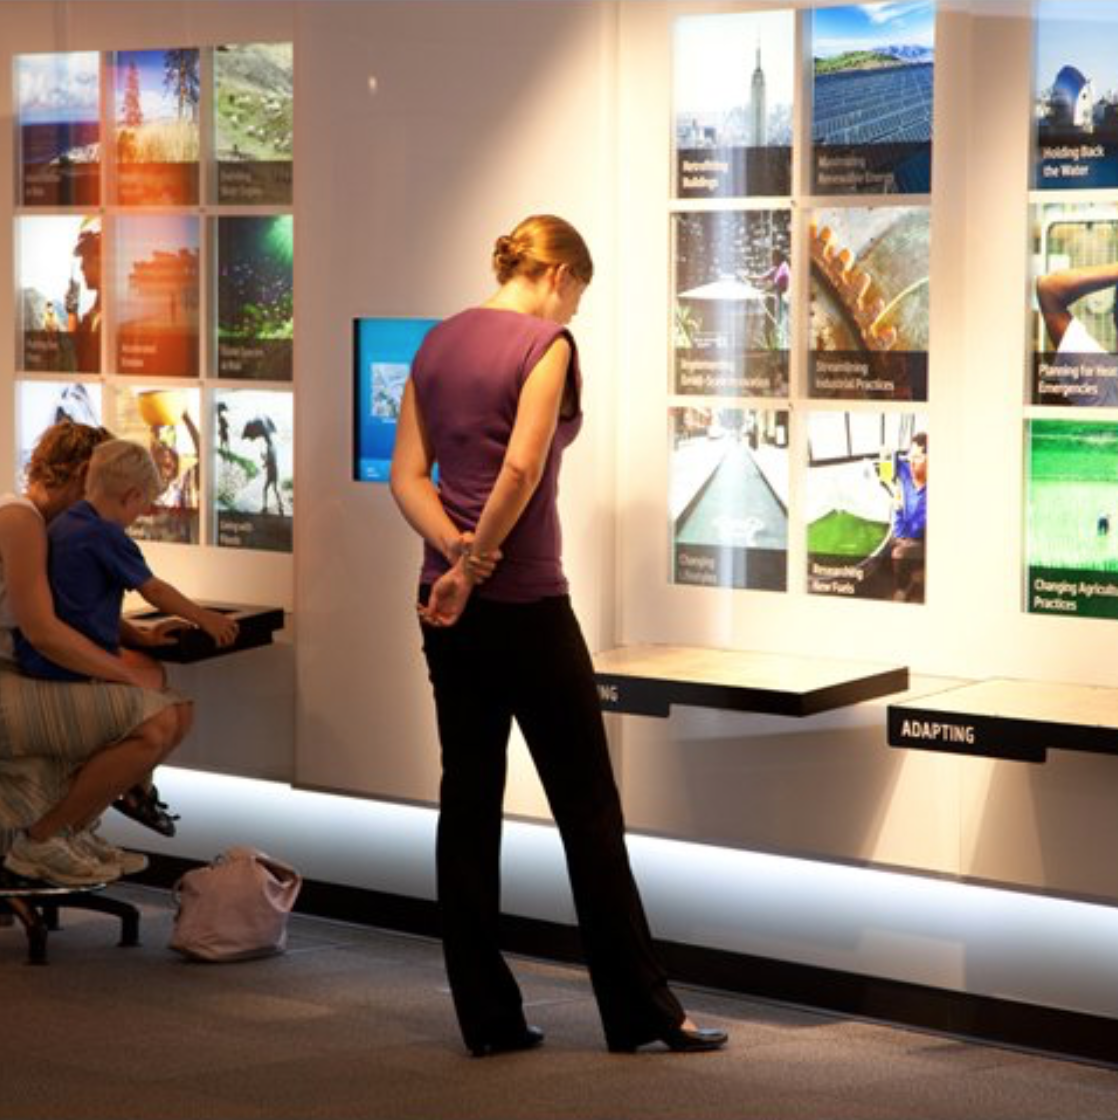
133,656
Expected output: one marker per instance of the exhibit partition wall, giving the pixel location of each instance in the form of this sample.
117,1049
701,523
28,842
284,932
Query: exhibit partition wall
151,290
400,184
914,225
827,416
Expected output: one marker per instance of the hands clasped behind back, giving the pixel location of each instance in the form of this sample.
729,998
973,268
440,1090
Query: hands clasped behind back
450,593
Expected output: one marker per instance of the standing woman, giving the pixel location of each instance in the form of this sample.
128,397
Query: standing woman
494,400
68,749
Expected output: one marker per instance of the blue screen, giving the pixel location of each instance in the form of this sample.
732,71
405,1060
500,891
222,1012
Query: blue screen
383,350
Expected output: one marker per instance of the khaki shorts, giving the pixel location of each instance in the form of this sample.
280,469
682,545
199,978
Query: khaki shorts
48,729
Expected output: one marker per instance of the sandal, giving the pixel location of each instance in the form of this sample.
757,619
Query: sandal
142,805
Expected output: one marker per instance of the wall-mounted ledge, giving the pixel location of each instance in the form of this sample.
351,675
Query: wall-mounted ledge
1009,719
648,679
256,625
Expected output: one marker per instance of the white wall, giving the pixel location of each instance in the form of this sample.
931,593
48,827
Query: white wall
483,113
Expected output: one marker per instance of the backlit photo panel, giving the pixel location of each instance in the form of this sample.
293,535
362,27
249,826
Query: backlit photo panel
1075,95
869,302
731,312
874,67
253,469
156,102
255,297
59,275
1071,535
729,497
733,89
167,422
156,295
1074,337
866,505
253,123
58,110
40,404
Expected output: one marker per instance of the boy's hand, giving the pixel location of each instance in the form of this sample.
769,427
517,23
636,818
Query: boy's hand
163,632
146,672
133,636
219,626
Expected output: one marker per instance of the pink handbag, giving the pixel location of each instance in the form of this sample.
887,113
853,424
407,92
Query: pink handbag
235,908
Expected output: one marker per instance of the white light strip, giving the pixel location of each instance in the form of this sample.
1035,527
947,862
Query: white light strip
978,940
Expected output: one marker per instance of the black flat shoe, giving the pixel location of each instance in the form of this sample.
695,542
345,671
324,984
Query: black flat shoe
525,1039
681,1040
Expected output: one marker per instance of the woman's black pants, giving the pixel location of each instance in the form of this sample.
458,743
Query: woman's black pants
529,662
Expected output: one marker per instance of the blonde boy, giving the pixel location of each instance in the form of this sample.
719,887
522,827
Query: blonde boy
93,562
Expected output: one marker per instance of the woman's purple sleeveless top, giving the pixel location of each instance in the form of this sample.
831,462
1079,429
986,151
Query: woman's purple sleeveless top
467,378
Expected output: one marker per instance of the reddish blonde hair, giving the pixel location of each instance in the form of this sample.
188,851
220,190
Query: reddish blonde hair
538,243
61,452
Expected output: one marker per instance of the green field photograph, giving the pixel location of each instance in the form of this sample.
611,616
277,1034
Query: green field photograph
1072,509
1071,518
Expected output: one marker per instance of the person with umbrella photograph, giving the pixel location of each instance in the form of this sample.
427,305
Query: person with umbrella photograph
252,450
262,427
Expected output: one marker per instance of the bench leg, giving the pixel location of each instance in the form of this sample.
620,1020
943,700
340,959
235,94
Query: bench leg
127,913
39,916
34,925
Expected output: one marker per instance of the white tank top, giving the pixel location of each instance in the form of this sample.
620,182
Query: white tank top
7,619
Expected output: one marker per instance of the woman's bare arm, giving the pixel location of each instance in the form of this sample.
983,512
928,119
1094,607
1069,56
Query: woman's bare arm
412,487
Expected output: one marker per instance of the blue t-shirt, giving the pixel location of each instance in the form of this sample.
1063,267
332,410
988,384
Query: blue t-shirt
910,519
90,565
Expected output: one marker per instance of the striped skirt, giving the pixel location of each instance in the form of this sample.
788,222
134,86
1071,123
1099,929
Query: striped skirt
49,728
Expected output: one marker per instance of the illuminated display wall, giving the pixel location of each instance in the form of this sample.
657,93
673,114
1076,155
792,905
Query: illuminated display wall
811,292
1075,235
1018,575
1071,518
786,295
154,248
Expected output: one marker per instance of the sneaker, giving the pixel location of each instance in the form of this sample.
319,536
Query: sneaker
89,843
57,861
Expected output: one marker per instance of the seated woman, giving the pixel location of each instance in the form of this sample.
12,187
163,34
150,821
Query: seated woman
68,749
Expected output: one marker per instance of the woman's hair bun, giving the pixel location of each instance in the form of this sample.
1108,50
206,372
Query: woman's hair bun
506,256
540,242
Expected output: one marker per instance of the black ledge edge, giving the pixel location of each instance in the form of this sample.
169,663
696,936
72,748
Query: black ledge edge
654,696
928,729
1005,737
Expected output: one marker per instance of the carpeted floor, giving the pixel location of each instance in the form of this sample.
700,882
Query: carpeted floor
357,1023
